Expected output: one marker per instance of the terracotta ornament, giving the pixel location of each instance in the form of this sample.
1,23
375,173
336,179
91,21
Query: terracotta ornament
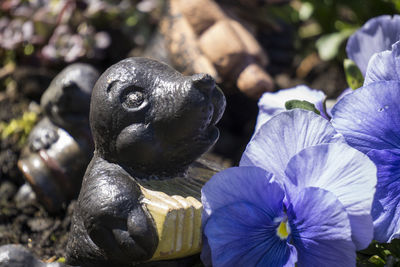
60,145
201,37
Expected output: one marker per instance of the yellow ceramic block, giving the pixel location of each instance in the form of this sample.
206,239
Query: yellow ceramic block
198,208
176,209
185,243
178,223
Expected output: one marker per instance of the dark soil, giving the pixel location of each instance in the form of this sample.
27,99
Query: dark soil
27,223
22,219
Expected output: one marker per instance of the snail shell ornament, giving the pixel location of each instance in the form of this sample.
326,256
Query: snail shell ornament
140,197
60,145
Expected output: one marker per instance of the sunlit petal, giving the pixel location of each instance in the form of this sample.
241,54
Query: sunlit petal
344,171
386,206
237,184
248,184
283,136
369,117
271,104
384,66
242,234
321,230
376,35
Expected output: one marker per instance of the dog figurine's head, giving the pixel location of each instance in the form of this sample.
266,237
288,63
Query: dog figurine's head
149,117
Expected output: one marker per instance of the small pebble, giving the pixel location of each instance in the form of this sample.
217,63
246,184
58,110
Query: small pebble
25,196
39,224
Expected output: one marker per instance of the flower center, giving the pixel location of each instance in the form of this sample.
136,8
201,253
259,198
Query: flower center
283,230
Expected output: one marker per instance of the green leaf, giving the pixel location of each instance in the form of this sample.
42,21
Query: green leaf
302,104
19,128
328,45
306,10
376,260
372,249
29,49
354,77
396,4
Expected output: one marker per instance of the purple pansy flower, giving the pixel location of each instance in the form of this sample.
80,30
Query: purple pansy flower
369,119
376,35
305,196
384,66
270,104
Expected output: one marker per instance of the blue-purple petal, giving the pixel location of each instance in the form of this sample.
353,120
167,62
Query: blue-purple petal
369,117
376,35
384,66
248,184
242,234
271,104
283,136
386,206
205,254
320,229
346,172
236,184
342,94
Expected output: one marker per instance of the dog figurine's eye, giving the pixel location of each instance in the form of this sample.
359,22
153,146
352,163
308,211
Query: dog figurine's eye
133,99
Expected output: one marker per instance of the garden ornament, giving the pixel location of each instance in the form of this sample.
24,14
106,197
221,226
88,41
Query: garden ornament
140,196
201,37
60,145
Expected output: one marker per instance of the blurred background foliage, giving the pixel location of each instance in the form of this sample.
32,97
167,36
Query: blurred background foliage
321,29
52,33
325,25
49,34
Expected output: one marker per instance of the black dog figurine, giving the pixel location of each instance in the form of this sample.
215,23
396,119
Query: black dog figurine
139,200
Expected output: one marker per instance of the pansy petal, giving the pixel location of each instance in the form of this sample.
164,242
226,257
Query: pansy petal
330,103
235,184
320,229
344,171
386,206
242,234
384,66
342,94
283,136
369,117
271,104
376,35
249,184
205,254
